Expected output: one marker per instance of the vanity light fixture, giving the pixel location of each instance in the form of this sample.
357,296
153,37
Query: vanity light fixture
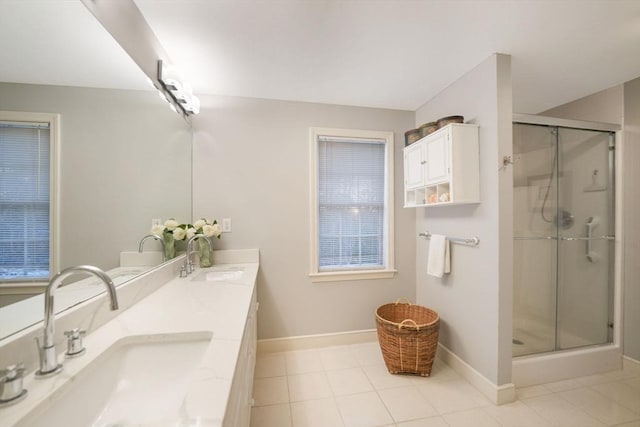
178,89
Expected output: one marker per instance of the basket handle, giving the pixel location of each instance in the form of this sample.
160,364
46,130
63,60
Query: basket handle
402,300
401,324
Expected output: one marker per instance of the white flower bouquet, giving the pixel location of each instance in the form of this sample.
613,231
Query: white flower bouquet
171,231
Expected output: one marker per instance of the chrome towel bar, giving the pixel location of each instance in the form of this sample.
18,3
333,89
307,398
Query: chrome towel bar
474,241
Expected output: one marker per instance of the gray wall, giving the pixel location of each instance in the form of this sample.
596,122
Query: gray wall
475,300
251,164
631,212
125,159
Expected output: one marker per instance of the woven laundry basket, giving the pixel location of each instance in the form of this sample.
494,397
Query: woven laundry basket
408,337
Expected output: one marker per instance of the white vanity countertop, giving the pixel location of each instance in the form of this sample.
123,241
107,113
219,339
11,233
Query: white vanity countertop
183,305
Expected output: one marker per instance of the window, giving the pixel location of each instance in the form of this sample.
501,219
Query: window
351,204
27,211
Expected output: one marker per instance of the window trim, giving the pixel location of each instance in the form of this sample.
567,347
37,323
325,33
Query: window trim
360,274
54,178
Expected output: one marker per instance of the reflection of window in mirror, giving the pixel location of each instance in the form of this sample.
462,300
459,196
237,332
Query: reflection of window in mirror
28,189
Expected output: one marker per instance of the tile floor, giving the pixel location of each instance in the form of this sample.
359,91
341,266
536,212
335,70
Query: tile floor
349,386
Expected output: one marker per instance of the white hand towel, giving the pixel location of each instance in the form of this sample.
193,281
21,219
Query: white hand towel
439,261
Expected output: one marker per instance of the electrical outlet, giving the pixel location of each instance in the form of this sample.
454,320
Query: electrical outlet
226,225
156,221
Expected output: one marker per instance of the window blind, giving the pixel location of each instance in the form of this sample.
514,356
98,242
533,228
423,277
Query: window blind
24,200
351,203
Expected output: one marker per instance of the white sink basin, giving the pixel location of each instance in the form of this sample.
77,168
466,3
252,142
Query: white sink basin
139,381
229,274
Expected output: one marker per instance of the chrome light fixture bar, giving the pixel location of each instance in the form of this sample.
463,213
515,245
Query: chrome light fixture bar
180,92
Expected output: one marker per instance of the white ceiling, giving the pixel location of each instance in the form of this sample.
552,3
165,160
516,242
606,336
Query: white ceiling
378,53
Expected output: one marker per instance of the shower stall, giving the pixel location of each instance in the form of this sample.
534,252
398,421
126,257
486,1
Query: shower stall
564,238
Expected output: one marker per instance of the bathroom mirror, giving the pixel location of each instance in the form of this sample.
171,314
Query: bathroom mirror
125,157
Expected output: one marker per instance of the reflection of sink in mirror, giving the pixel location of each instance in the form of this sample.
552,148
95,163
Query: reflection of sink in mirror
139,381
228,274
119,276
30,310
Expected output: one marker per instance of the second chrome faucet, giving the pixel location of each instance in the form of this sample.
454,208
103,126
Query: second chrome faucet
188,266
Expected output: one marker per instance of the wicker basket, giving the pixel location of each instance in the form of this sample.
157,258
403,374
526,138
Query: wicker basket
408,337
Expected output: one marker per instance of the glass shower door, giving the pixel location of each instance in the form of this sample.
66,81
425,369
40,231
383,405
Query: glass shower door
563,244
585,242
535,244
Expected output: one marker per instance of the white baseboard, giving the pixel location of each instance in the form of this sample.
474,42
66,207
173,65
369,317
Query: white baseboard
629,363
306,342
498,394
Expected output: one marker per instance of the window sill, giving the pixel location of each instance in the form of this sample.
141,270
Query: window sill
338,276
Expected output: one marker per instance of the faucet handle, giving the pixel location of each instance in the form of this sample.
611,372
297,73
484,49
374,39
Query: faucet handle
74,342
11,386
12,372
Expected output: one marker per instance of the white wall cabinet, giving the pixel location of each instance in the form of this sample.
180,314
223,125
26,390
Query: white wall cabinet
443,168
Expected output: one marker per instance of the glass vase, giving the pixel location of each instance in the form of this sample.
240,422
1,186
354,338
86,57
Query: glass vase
169,246
204,253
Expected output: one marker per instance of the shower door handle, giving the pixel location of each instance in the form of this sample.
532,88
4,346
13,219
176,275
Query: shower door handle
588,238
589,254
592,222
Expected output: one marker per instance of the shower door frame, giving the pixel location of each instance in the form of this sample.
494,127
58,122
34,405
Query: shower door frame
606,356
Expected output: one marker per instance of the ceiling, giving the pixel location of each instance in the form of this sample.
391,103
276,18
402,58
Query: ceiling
377,53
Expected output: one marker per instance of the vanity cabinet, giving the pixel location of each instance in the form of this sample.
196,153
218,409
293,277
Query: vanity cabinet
443,168
238,413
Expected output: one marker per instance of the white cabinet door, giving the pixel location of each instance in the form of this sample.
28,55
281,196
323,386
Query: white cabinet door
438,159
414,166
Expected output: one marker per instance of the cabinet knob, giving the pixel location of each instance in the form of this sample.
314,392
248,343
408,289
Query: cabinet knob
424,162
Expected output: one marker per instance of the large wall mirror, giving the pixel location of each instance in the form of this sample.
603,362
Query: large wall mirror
125,156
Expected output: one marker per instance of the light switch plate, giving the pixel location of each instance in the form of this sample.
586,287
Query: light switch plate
226,225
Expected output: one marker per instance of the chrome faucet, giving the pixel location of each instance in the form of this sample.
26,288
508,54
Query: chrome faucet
188,266
153,236
48,361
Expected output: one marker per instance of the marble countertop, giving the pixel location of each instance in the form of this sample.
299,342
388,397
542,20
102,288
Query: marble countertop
183,305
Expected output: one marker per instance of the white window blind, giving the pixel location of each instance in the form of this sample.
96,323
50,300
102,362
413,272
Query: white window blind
24,200
351,203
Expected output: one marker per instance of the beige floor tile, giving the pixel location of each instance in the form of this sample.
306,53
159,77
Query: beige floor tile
406,403
316,413
452,396
270,391
270,365
271,416
634,383
532,391
620,393
381,378
368,354
559,411
564,385
425,422
473,417
313,385
338,358
302,362
349,381
363,410
599,406
516,414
